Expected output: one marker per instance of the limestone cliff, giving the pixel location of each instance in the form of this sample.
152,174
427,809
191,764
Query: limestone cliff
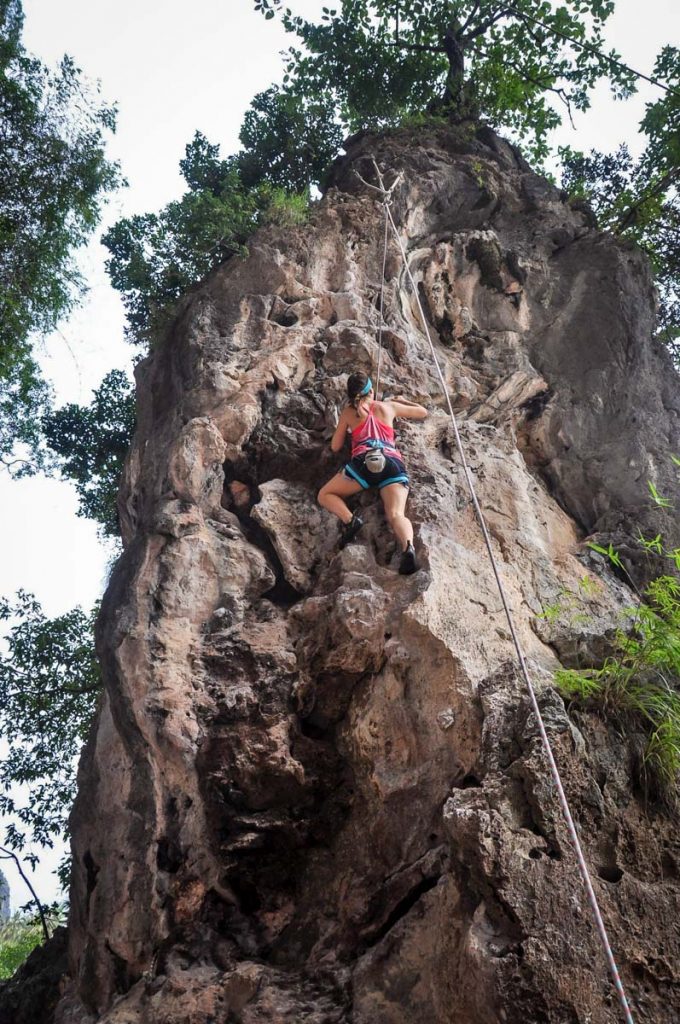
315,791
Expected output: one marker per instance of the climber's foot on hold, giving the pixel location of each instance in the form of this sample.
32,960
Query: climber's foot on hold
350,530
408,562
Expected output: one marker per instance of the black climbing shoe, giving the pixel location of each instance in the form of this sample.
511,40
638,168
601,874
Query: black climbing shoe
408,563
350,530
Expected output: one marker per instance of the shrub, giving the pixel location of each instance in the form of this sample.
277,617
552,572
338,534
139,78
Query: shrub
287,210
641,680
18,937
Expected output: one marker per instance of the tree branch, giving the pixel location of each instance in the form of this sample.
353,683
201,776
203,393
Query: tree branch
59,691
5,854
481,29
418,47
471,16
547,88
628,215
8,463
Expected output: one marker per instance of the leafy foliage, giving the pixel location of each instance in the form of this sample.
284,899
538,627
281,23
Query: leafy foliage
91,443
24,397
375,61
639,199
20,935
156,257
53,177
49,684
288,140
641,679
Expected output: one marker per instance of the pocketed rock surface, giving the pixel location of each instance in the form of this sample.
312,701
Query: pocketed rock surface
315,790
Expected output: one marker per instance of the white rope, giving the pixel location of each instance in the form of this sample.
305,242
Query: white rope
382,295
583,867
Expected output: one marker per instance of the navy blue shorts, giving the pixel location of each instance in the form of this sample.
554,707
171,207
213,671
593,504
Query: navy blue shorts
393,473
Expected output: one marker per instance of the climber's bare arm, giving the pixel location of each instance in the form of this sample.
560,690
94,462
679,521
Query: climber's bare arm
406,409
340,433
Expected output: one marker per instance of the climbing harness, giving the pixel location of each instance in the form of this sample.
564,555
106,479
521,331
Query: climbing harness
386,199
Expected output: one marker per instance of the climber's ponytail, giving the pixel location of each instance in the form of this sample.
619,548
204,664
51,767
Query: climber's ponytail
358,386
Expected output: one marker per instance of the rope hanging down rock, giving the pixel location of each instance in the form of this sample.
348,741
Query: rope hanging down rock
386,199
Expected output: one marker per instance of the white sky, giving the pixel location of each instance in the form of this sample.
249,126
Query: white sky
172,68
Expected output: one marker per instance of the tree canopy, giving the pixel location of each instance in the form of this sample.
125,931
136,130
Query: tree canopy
376,61
91,443
53,177
156,257
49,685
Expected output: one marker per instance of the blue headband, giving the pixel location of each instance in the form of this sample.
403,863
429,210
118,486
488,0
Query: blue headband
367,387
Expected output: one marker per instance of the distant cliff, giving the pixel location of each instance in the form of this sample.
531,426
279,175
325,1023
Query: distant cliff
315,791
4,898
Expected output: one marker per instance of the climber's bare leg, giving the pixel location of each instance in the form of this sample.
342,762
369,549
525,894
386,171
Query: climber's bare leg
332,494
394,499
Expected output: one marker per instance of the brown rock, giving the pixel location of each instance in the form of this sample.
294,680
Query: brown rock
315,790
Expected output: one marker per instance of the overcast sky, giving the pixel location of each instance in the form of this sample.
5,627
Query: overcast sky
172,68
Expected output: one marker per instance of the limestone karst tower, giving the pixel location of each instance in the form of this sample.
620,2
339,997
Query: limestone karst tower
315,790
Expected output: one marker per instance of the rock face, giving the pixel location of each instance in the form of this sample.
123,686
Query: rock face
315,790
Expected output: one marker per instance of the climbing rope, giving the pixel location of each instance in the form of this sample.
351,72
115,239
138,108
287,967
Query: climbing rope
386,198
381,319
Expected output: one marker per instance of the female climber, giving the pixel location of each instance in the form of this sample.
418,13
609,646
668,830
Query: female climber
375,462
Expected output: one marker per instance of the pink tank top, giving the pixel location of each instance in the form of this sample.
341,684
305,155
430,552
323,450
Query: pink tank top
373,430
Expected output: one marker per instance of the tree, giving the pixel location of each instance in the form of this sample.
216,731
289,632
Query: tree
53,178
375,61
49,685
288,140
91,443
156,257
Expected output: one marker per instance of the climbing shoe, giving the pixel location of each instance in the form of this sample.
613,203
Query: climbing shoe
350,530
408,562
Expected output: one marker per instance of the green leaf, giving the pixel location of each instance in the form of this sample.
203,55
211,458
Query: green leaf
657,498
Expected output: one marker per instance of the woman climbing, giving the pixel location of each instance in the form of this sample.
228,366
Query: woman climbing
375,462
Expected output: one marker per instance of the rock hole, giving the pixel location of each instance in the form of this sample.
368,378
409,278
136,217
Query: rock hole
247,895
610,874
312,731
535,406
535,853
669,867
469,781
282,593
285,319
92,870
554,854
168,856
